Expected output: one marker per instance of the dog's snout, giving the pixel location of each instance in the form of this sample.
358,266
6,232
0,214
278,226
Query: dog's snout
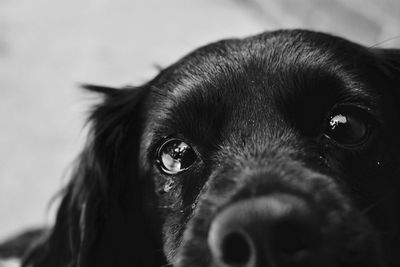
275,230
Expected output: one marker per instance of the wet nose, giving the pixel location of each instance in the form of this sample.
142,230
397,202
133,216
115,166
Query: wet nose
275,230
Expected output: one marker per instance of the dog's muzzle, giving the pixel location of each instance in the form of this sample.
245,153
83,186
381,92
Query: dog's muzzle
289,217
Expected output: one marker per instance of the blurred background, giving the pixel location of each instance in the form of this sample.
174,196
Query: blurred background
47,47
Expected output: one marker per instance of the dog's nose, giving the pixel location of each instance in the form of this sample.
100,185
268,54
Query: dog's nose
275,230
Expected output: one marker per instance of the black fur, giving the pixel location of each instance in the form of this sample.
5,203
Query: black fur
255,111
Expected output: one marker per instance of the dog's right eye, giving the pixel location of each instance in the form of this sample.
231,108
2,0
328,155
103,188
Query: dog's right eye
175,156
349,127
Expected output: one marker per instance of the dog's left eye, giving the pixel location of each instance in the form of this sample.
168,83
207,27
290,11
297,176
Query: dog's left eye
348,127
175,156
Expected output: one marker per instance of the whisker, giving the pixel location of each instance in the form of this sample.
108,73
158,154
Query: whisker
376,203
385,41
372,206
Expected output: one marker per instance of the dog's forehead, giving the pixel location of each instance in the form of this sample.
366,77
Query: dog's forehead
266,64
251,81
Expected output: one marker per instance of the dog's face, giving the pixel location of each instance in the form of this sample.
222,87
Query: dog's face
275,150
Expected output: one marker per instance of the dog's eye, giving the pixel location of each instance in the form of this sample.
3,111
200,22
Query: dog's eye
348,127
175,156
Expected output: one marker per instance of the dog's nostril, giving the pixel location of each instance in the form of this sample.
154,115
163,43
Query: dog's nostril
235,249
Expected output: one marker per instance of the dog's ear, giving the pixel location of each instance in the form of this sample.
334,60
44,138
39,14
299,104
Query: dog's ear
100,221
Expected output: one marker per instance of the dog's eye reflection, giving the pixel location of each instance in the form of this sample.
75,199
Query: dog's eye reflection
348,127
175,156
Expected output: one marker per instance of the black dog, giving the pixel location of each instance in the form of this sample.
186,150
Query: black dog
280,149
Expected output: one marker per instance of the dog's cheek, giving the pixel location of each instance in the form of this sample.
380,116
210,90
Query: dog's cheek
374,172
162,208
179,207
363,171
168,205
